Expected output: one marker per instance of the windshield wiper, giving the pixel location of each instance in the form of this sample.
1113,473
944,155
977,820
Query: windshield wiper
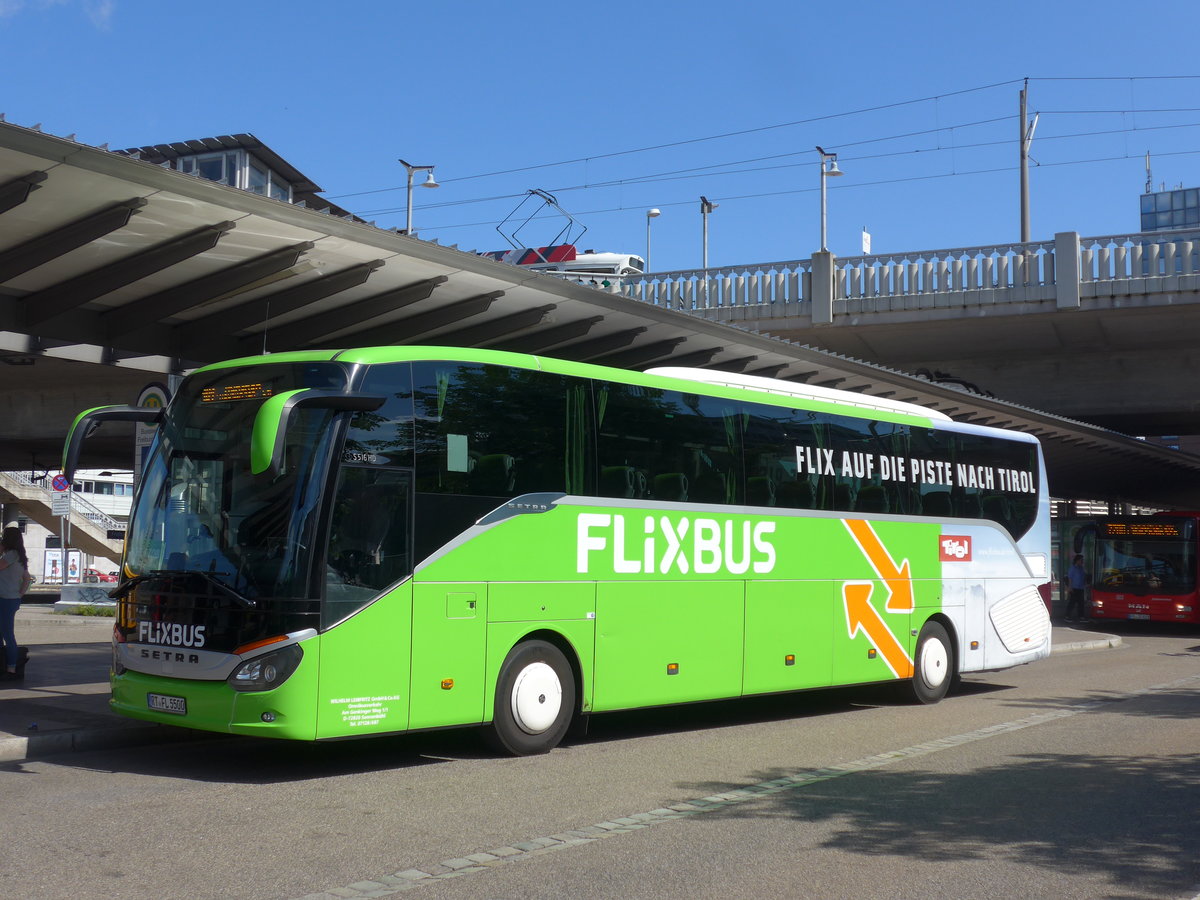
211,577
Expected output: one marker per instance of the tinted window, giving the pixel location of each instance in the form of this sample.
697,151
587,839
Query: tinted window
666,445
498,432
383,436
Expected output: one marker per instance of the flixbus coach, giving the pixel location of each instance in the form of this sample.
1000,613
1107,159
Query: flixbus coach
356,542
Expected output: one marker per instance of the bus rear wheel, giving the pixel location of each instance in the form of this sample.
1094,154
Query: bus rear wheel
535,700
934,668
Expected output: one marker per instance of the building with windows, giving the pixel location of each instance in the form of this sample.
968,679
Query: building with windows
240,161
1171,210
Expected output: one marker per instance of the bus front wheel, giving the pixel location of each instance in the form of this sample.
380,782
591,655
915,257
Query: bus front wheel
535,700
933,664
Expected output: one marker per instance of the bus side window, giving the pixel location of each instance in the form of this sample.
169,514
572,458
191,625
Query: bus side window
771,436
670,446
495,431
369,538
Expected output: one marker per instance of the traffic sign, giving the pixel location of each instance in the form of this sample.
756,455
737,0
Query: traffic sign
60,483
60,505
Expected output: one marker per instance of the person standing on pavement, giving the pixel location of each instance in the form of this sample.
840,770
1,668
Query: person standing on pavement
1077,581
14,563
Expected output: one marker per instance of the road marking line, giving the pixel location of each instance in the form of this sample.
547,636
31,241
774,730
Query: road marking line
408,879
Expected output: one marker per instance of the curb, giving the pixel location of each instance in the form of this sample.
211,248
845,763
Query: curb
61,620
52,743
1099,642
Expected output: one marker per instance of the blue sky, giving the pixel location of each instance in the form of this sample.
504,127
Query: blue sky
919,100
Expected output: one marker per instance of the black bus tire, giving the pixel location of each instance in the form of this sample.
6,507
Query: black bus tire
933,664
535,700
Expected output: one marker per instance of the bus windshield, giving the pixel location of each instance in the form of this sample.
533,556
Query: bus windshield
200,509
1158,566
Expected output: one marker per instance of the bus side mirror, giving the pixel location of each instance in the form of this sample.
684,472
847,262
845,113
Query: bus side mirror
271,421
87,421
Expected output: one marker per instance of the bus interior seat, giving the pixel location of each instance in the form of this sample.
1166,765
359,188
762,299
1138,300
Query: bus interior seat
760,490
936,503
618,481
494,474
671,486
873,498
843,499
708,488
794,494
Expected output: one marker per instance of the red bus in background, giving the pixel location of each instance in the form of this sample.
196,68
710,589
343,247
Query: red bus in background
1145,568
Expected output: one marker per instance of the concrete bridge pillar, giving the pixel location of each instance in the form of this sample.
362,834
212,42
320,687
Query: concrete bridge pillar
822,287
1066,269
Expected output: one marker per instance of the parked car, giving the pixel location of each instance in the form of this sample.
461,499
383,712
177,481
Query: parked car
95,576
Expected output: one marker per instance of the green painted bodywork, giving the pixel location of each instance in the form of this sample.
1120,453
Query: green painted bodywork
266,430
428,653
647,613
75,424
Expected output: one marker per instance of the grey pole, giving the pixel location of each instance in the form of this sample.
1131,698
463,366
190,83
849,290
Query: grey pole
430,182
1024,160
831,172
408,204
650,214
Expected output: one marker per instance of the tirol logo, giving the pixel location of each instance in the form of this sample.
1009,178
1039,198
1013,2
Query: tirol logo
170,634
955,548
663,546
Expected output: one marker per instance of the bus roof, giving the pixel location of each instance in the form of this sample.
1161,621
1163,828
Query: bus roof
795,389
713,383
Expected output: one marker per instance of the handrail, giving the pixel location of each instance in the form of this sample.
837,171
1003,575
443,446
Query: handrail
85,508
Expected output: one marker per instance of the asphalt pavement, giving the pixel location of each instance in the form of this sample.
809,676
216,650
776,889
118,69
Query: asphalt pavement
62,703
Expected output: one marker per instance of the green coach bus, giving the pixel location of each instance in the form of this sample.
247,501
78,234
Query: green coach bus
346,543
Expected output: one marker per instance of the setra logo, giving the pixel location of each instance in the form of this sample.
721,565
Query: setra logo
954,548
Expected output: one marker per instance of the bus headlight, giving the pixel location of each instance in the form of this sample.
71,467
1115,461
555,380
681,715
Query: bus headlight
266,672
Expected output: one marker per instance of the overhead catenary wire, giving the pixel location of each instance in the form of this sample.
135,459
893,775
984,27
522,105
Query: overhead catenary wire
851,186
705,171
688,141
780,125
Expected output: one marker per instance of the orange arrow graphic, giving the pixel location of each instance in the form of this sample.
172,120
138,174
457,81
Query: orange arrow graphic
860,614
900,594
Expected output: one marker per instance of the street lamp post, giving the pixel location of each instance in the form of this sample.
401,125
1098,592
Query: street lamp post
429,182
706,207
829,171
650,214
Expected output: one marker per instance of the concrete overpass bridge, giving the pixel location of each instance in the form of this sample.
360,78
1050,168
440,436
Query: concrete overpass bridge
1103,329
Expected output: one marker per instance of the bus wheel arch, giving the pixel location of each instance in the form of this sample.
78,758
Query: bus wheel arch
535,700
935,661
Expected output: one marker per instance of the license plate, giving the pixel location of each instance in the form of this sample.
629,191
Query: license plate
163,703
1139,615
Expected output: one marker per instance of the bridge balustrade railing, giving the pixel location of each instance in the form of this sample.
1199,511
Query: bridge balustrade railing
1147,255
1001,273
943,271
717,286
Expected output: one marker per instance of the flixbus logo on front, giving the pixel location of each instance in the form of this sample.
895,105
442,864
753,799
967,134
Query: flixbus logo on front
663,546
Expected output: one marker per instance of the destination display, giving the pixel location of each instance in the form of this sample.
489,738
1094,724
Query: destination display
229,393
1150,528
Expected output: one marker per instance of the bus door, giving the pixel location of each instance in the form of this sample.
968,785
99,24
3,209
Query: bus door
367,607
